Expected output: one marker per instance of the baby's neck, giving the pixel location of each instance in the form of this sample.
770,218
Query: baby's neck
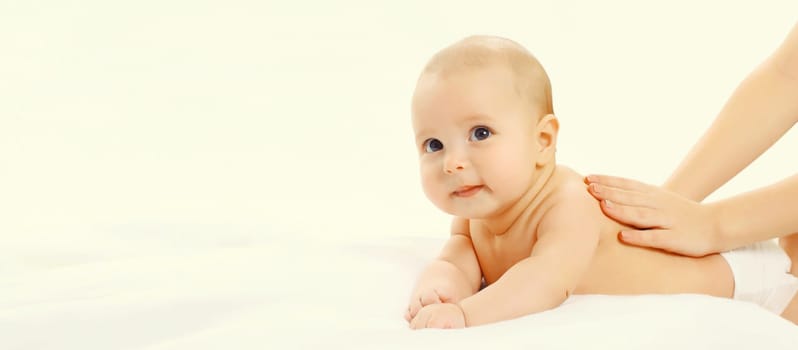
522,211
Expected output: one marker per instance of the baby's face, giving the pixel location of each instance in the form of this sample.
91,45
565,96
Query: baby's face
475,138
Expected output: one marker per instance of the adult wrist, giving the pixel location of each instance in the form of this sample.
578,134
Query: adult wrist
722,232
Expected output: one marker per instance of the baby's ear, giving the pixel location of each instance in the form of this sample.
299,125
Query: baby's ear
546,137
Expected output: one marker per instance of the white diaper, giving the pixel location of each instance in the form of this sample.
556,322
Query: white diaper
761,275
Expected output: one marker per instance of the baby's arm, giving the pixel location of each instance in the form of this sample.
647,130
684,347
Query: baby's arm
567,238
454,275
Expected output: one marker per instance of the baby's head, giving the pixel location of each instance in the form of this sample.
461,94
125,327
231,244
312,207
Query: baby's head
484,125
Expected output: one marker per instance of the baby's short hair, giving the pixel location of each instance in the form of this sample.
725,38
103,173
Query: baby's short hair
481,51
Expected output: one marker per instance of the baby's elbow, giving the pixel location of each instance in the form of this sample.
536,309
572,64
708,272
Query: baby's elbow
559,295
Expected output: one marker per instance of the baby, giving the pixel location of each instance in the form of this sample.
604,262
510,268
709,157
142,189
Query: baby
526,233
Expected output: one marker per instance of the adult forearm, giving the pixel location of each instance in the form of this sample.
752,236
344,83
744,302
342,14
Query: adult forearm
526,288
762,214
759,112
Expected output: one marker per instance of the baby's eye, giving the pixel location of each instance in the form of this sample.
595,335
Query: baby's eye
432,145
480,133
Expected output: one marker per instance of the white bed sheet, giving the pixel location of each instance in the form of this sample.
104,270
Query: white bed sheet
303,293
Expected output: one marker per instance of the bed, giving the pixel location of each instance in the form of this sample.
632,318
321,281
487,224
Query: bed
303,292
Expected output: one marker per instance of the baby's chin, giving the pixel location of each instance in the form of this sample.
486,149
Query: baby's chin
472,212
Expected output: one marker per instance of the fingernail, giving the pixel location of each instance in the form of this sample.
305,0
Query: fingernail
591,178
595,188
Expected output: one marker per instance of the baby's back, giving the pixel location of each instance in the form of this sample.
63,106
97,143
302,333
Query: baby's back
618,268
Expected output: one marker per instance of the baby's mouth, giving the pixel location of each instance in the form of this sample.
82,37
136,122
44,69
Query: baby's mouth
467,191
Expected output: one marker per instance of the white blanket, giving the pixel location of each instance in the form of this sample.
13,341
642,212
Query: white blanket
296,293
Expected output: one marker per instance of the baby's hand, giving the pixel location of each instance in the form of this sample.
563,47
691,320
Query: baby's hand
445,315
428,296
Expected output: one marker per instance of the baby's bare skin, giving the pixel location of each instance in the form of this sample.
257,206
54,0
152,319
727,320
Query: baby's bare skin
486,135
616,268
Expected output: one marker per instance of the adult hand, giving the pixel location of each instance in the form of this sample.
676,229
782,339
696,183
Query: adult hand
664,219
445,315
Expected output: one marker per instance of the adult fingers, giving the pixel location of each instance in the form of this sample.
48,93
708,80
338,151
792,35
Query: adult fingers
644,238
640,217
618,182
672,241
621,196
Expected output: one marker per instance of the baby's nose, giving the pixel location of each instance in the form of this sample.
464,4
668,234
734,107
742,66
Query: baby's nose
454,170
455,164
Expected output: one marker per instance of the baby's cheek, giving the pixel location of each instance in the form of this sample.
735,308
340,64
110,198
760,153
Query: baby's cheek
430,185
515,173
508,166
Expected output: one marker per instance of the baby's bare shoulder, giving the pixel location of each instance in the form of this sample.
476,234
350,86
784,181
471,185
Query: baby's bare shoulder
572,190
571,201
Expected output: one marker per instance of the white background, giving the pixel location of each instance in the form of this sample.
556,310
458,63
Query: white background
180,122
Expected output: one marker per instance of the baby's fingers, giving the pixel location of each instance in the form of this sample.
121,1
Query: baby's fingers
441,322
412,310
423,299
430,297
420,320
